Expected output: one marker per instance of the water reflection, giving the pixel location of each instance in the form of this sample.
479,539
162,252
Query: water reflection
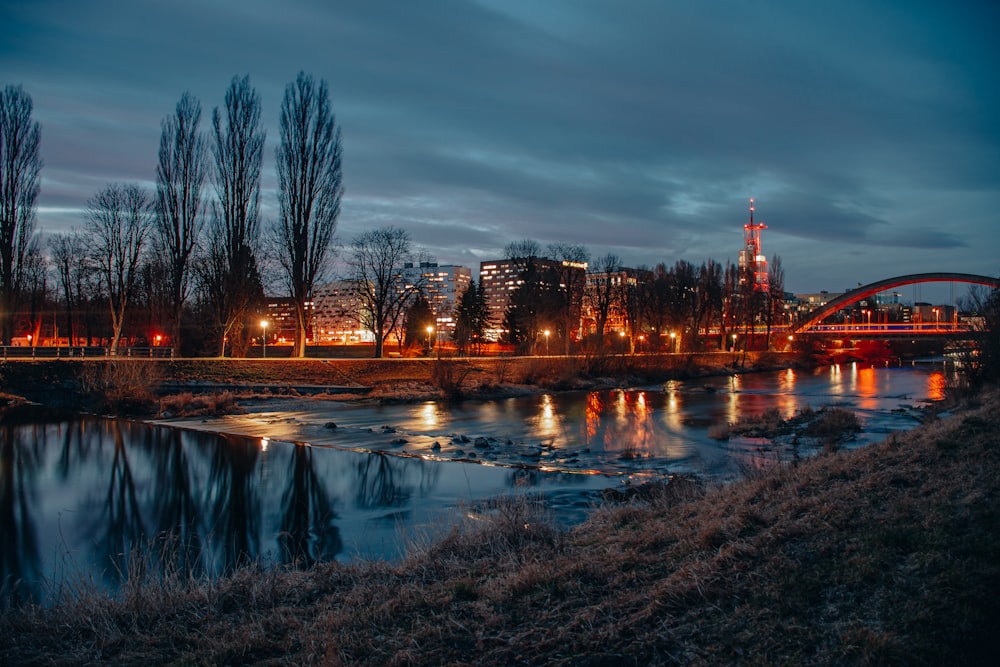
308,533
98,500
936,385
19,553
80,497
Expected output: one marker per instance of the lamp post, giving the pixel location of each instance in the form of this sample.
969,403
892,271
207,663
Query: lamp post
937,318
430,331
673,341
263,339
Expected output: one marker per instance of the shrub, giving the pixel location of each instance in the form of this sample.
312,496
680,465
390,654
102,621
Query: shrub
449,376
121,386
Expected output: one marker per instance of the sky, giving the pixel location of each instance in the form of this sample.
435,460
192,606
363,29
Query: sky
867,132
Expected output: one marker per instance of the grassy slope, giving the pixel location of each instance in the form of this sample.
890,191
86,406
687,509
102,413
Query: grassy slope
888,554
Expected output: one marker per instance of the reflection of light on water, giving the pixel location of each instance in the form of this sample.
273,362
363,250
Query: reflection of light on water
672,416
836,380
786,381
733,399
429,415
593,415
548,421
867,389
263,444
935,386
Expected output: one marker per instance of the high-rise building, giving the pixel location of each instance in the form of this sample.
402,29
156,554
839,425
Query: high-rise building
499,278
338,315
442,285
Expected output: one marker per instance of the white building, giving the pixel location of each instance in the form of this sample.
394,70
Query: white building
337,315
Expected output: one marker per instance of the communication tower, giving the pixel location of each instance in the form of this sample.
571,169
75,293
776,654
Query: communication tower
753,264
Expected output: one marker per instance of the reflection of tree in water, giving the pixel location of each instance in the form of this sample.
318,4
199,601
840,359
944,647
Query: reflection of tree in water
235,505
119,529
381,482
80,438
308,533
175,510
18,538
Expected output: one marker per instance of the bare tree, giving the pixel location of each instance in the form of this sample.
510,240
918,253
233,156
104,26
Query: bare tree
230,270
310,185
775,297
572,277
118,223
378,259
69,259
605,292
180,175
20,170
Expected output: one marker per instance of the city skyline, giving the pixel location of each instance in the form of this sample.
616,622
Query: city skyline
866,135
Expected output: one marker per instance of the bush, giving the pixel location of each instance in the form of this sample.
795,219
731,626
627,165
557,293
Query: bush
449,376
120,386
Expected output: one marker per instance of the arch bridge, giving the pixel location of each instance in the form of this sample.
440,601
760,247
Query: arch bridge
865,291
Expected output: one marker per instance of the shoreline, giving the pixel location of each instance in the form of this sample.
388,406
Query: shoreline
883,554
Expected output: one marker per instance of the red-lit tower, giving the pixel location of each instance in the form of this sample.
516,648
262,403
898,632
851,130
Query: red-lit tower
753,264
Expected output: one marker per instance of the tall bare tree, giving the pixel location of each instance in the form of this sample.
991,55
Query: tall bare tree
180,175
378,258
69,259
230,271
310,186
118,223
20,175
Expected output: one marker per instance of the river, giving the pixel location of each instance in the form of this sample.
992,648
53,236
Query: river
293,481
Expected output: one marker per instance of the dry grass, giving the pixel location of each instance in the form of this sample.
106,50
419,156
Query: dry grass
198,405
122,387
888,554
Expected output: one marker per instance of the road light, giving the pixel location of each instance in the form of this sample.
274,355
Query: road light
263,339
673,341
937,317
734,342
430,331
547,333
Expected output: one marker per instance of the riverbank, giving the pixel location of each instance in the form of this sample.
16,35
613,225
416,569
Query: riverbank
888,554
135,385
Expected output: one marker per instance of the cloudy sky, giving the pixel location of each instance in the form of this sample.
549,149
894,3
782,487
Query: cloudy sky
867,132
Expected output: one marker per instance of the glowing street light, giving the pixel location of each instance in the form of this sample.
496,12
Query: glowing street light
547,332
937,317
263,339
673,341
430,331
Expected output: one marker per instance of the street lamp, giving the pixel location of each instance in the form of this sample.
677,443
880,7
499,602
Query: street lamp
937,318
673,341
263,339
547,332
734,342
430,330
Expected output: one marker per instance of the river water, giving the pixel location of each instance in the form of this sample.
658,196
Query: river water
80,500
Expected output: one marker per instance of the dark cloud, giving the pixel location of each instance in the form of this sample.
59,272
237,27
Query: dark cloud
867,134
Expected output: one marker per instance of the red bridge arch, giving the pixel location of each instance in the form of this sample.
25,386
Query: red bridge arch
855,295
